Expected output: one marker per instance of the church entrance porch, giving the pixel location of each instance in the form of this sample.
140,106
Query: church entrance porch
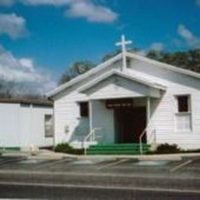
129,124
119,121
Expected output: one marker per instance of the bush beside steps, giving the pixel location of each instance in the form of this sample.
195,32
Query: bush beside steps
170,149
66,148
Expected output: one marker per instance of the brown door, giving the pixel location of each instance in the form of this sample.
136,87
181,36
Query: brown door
129,124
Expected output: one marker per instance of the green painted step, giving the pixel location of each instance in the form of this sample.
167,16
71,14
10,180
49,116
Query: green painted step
120,146
113,153
116,149
9,148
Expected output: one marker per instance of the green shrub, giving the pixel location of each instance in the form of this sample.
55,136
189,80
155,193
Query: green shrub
171,148
167,148
66,148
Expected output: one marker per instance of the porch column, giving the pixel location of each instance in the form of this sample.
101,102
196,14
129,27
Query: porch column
148,109
90,114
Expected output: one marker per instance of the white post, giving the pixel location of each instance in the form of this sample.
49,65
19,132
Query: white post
90,116
148,114
148,109
31,127
54,135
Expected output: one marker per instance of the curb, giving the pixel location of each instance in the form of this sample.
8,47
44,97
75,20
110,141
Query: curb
54,156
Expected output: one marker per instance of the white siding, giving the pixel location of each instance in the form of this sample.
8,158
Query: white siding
32,126
164,110
69,125
23,126
10,125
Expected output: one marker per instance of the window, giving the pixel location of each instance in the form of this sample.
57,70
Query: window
48,124
84,109
183,122
183,114
183,103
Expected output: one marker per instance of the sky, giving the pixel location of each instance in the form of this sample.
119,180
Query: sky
40,39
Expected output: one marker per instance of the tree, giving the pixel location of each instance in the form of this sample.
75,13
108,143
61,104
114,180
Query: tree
188,59
76,69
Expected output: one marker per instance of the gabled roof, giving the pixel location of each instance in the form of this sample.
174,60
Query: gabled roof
85,75
163,65
123,75
116,58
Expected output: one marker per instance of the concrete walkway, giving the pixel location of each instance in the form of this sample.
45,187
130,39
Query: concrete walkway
50,155
41,154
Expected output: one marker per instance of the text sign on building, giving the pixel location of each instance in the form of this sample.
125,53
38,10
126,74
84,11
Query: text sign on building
119,103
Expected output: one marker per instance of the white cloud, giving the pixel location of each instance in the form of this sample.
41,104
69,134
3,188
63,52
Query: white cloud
46,2
90,11
6,2
12,25
198,2
23,73
189,38
27,64
36,2
158,46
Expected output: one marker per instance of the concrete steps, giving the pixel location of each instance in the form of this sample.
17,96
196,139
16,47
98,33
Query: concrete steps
116,149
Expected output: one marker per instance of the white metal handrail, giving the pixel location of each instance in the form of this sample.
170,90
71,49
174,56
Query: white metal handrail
91,136
152,134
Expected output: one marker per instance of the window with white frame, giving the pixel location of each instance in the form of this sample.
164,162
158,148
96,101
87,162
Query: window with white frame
48,125
183,113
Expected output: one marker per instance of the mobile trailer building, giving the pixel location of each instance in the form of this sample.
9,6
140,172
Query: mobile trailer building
25,123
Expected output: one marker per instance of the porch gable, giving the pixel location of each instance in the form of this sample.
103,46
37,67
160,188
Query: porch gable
120,85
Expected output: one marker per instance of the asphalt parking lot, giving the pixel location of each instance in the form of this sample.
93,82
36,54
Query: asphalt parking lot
186,166
77,177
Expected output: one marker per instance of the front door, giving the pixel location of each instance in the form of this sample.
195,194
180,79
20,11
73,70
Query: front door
129,124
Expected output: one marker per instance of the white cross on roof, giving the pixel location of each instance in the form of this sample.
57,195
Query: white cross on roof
123,44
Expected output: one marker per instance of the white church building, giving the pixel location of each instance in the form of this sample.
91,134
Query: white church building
129,99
